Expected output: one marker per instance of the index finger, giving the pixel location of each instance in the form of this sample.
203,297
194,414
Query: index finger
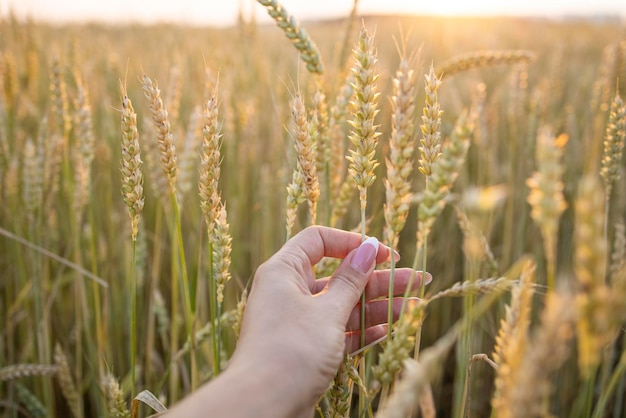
316,242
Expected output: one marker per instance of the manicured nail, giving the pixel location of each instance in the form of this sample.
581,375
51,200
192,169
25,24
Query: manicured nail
365,255
426,277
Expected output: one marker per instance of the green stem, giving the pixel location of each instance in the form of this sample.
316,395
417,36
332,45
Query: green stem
213,312
189,308
606,394
133,322
391,294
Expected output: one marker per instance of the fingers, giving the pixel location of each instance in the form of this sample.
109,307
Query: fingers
315,242
376,312
353,339
378,284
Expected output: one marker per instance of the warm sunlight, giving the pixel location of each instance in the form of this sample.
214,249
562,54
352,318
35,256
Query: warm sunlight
221,13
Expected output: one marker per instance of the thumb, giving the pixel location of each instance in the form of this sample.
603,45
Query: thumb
349,280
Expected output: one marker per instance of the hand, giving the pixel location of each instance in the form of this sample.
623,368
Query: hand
306,325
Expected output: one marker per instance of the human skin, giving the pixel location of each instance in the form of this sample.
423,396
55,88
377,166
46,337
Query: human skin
296,329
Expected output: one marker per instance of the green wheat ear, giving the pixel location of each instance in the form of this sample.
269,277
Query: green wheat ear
298,36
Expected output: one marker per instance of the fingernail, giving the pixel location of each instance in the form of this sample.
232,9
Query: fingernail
396,255
365,255
426,277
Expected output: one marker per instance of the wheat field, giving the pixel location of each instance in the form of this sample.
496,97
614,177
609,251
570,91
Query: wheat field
146,171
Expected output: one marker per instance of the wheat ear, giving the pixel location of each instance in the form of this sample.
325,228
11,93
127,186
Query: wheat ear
401,149
546,194
479,59
68,388
306,150
161,121
613,144
546,351
298,36
115,397
131,165
593,296
511,340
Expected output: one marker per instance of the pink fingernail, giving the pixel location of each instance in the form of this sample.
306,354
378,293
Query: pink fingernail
365,255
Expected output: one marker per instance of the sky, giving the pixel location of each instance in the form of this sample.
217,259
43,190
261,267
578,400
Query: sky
224,12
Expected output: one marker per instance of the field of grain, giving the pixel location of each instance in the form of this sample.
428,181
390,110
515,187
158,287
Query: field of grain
502,139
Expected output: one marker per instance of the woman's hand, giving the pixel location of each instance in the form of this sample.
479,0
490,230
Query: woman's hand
306,325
